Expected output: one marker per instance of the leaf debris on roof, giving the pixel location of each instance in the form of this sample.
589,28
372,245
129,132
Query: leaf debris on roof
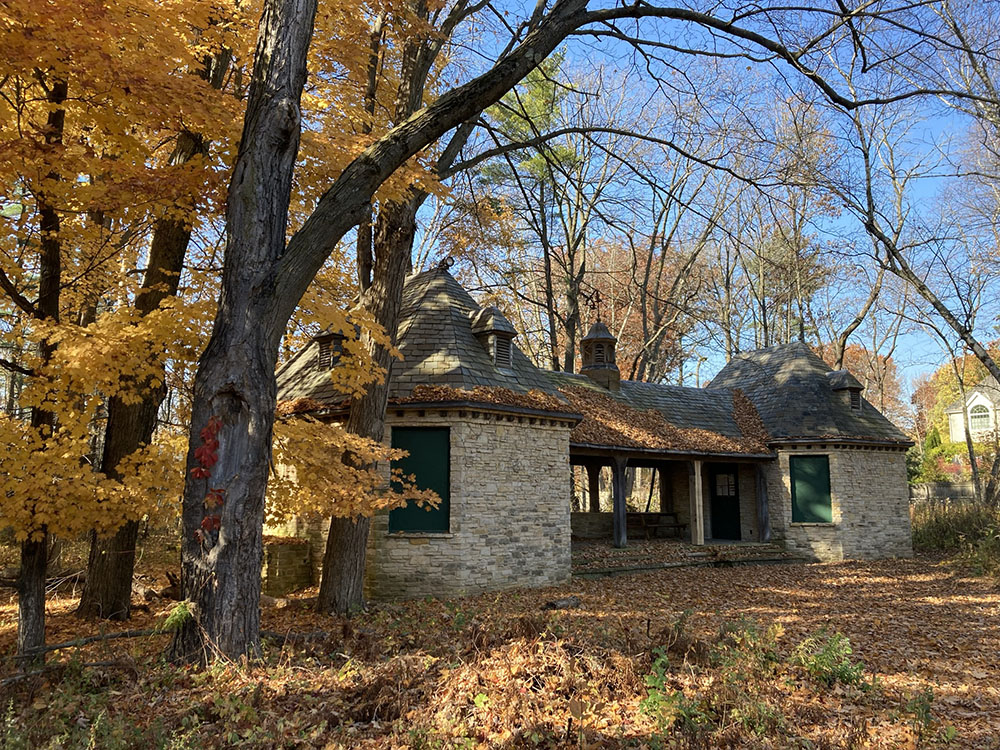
532,399
608,421
298,406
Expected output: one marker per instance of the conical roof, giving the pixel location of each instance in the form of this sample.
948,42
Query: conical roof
793,392
491,320
437,344
599,332
841,380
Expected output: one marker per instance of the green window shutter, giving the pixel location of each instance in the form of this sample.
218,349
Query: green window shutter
810,489
429,462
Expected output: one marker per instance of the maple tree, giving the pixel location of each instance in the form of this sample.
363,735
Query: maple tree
86,172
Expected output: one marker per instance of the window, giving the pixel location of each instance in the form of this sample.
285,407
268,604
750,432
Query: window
429,462
810,477
599,354
979,418
501,352
856,400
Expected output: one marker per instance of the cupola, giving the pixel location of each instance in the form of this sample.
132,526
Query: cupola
847,387
496,334
597,350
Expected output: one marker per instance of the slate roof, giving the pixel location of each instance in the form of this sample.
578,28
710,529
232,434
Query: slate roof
680,405
436,342
988,387
790,387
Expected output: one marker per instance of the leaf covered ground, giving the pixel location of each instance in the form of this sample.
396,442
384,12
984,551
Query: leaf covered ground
597,555
755,656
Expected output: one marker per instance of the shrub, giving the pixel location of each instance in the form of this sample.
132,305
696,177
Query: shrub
951,527
827,659
669,708
739,663
982,554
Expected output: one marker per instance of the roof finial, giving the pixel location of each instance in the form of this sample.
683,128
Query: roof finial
594,301
446,262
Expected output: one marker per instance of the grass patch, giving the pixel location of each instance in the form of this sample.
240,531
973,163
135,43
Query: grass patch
734,694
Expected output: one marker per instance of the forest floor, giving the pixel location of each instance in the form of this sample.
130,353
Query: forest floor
889,654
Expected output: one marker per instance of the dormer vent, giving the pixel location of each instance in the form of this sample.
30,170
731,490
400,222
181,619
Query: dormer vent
847,387
496,334
326,355
330,349
597,350
502,352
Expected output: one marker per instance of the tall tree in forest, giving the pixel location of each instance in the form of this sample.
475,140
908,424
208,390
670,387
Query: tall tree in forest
107,590
562,191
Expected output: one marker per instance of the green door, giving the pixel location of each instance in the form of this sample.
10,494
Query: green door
725,495
810,479
429,462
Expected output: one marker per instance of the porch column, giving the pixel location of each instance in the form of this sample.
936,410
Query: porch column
697,506
763,514
618,496
594,487
666,490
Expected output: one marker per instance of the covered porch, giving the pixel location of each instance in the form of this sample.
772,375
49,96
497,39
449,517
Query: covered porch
646,495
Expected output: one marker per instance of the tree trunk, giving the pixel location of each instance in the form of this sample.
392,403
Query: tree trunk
342,584
31,600
34,554
234,390
342,581
107,591
262,282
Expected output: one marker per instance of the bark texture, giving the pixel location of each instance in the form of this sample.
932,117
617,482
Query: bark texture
262,283
221,550
342,584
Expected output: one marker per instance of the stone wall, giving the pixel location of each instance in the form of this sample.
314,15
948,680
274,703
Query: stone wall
942,492
587,525
869,499
509,506
314,531
287,565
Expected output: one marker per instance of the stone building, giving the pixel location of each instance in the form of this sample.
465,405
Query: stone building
777,447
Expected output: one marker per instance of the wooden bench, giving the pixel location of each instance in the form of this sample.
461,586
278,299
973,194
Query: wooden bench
650,524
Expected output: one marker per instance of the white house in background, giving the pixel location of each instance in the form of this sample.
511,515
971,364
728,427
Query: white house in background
980,407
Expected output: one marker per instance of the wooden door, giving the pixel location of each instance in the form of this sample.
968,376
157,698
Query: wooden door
725,499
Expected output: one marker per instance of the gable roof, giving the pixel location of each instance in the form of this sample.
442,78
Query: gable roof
663,418
794,394
987,387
